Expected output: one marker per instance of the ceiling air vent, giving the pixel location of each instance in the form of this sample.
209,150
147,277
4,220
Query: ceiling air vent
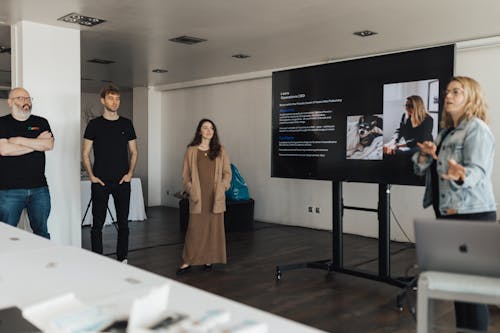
240,56
81,19
364,33
101,61
188,40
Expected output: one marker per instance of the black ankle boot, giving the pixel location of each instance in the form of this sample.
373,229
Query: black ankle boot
184,270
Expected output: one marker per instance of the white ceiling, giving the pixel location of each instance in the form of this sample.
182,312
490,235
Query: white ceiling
276,33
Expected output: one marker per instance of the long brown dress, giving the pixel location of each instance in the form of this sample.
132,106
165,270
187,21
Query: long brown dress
205,241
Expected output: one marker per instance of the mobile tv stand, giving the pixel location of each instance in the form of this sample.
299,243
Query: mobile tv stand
336,264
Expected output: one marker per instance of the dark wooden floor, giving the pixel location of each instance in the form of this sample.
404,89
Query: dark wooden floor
331,302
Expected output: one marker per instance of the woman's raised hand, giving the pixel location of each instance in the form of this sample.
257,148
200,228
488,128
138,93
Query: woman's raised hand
428,148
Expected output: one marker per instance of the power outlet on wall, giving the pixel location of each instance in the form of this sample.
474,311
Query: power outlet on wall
310,209
317,210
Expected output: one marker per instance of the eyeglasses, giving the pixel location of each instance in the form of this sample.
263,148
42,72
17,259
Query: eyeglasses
23,99
454,92
409,106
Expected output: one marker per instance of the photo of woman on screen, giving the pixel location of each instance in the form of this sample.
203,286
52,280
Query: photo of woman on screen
415,126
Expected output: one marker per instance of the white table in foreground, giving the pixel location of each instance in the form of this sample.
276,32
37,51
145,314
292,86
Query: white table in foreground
15,240
136,212
36,275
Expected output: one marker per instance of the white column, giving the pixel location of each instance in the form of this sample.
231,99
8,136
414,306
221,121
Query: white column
46,61
140,117
155,163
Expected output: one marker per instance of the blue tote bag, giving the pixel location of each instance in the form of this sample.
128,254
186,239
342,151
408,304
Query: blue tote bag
239,189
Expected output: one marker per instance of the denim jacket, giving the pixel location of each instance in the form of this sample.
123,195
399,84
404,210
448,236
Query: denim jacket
472,145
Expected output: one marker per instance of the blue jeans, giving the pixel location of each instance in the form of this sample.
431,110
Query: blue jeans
35,200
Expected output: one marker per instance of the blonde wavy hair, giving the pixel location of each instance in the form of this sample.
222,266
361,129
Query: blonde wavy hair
475,104
419,110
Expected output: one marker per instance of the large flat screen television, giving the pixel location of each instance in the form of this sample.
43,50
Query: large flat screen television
351,120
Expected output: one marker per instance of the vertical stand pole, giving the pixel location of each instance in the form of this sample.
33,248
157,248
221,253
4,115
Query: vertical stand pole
337,232
384,230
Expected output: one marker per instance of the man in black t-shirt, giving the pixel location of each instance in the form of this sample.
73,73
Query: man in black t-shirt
24,139
113,138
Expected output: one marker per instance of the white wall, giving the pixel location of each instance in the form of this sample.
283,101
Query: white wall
140,110
156,157
4,107
242,113
482,64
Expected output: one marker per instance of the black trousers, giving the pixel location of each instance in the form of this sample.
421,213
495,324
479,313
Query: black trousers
471,315
100,197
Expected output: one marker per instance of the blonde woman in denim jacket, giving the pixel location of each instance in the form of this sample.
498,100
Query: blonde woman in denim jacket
458,168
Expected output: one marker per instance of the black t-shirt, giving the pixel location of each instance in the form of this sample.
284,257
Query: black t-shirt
110,142
435,177
28,170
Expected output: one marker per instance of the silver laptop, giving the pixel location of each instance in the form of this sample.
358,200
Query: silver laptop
467,247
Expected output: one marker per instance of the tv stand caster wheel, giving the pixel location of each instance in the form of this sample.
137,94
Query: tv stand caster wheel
399,304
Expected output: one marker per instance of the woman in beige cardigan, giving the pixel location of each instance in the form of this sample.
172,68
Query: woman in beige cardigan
206,175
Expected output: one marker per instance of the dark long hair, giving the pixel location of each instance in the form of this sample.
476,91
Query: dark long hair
214,146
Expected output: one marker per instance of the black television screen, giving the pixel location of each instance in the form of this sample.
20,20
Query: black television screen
358,120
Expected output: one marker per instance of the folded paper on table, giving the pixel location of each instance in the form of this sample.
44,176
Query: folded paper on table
148,310
67,314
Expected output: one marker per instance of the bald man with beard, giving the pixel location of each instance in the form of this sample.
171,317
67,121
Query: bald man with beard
24,139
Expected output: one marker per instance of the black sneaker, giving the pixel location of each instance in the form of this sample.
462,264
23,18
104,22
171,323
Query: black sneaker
207,268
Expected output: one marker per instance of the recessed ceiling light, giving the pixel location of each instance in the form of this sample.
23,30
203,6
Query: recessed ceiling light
188,40
159,70
240,56
81,19
101,61
365,33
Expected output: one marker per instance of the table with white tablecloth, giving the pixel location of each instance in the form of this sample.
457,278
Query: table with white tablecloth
137,211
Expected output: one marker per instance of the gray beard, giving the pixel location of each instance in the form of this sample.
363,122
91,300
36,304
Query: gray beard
20,113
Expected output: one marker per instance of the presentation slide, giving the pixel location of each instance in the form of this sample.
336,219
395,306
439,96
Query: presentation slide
358,120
